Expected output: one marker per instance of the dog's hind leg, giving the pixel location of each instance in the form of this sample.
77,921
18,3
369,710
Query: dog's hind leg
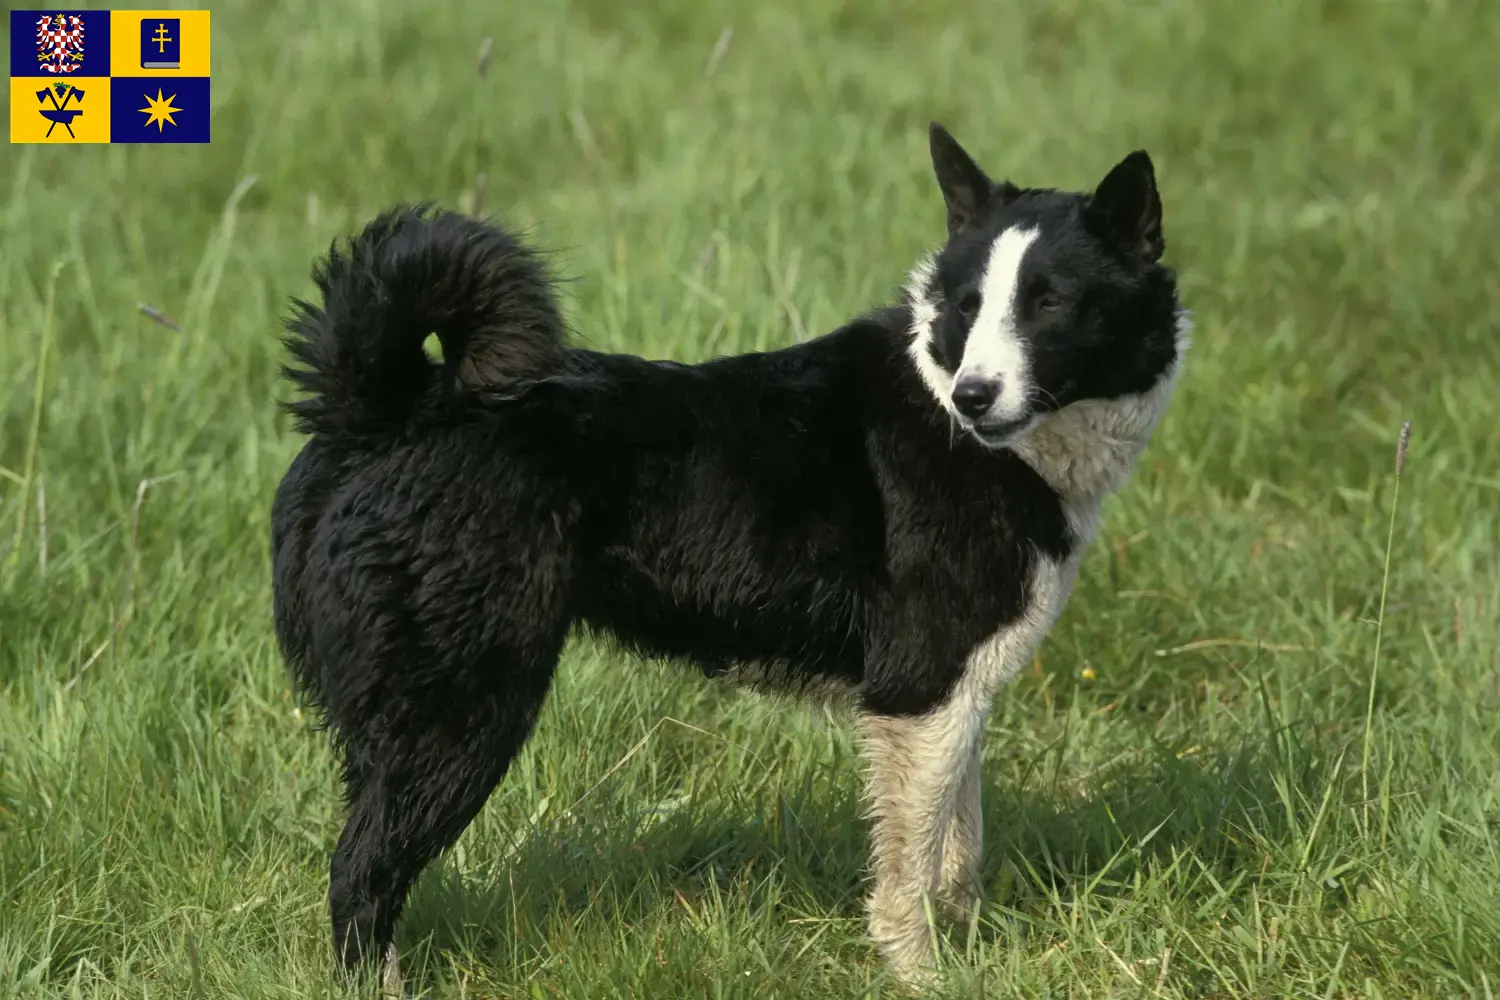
440,642
413,783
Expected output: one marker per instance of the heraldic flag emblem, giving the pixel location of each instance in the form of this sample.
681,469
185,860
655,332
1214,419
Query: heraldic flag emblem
123,76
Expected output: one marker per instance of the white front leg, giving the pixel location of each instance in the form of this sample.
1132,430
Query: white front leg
924,799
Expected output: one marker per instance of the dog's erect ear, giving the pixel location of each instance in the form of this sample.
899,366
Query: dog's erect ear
1127,205
966,188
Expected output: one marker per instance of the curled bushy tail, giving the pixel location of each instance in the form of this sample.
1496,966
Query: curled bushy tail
414,272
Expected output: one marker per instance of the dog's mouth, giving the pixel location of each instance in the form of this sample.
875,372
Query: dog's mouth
998,434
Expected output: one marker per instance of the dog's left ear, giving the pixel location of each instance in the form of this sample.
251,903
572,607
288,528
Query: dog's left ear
1127,205
967,189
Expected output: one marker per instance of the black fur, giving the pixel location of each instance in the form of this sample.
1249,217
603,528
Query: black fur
445,526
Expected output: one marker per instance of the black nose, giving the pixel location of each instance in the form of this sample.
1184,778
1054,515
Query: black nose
973,396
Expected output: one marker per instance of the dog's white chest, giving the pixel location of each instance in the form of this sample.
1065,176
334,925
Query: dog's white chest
998,659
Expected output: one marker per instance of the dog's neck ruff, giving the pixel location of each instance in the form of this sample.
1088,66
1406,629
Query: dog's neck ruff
1087,449
1084,451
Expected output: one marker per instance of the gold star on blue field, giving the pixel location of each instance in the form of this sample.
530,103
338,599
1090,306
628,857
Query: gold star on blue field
159,111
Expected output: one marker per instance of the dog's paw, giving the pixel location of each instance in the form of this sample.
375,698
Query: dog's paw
917,979
391,987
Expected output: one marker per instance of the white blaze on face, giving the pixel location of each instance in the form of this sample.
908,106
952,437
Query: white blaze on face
994,350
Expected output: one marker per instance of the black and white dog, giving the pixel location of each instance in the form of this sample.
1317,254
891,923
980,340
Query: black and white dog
896,509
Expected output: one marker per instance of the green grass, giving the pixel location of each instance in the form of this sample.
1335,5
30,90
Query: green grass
1196,793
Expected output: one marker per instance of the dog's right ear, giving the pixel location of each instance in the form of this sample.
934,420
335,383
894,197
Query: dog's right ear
1129,206
967,189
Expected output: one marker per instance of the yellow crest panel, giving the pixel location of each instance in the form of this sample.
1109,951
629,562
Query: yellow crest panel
50,110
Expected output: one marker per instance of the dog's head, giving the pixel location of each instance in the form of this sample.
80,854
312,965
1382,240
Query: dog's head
1041,298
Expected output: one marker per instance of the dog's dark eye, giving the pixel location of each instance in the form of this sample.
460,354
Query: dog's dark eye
1044,300
968,305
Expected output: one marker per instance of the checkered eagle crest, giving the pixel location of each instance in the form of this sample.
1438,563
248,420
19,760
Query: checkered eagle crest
59,42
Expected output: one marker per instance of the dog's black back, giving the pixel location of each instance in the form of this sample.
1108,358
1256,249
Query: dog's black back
760,508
